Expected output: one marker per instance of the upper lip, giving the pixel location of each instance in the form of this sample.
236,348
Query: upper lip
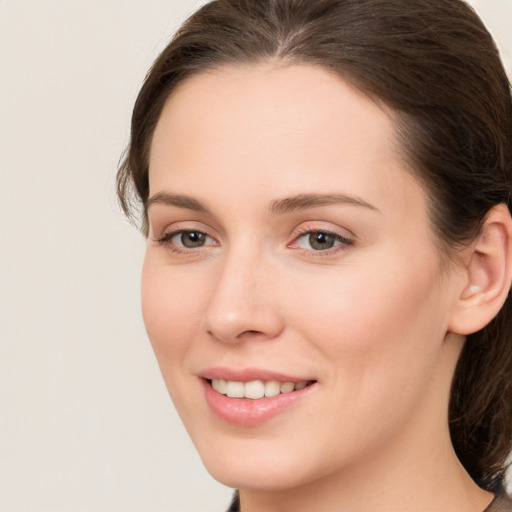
249,374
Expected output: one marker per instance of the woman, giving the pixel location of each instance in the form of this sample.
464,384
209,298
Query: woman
325,188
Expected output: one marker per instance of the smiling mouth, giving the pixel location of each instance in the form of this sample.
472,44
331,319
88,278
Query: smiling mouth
256,389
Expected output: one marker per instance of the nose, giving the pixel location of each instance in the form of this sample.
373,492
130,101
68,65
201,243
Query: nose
242,304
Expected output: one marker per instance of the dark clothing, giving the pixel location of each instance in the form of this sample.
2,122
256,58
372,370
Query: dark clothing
500,503
235,503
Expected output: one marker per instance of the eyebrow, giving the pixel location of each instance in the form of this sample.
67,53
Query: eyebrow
277,206
178,200
305,201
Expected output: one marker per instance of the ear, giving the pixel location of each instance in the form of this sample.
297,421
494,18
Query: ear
488,272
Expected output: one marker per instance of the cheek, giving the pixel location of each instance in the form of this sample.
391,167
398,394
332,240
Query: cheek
169,309
381,335
375,324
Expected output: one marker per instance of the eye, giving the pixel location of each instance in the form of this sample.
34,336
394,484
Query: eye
190,239
321,241
186,239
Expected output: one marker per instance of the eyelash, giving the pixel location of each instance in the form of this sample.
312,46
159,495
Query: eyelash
343,242
167,237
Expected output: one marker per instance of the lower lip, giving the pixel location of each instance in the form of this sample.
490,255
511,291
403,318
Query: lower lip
247,412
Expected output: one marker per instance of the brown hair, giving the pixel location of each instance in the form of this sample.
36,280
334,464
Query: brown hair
436,66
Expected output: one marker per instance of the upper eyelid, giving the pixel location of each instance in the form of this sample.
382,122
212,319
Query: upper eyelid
343,239
179,226
326,232
314,227
167,234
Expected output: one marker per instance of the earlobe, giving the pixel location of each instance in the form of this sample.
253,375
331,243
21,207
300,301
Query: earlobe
488,268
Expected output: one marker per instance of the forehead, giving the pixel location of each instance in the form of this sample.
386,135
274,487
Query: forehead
298,128
262,101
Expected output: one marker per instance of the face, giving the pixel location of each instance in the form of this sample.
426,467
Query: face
290,255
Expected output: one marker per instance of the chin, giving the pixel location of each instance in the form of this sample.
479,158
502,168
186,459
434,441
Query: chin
256,464
244,475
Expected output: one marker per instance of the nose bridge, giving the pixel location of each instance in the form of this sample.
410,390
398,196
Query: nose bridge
241,302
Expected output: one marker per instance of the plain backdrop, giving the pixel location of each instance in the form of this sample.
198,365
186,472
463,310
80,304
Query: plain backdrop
85,420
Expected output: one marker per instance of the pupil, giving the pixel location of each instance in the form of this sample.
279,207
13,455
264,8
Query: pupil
192,239
321,241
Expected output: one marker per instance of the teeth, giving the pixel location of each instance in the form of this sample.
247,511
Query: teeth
220,385
235,389
255,389
272,388
287,387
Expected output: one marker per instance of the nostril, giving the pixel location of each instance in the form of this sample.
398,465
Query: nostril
250,334
248,322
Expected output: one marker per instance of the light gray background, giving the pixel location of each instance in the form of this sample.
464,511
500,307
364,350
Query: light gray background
85,420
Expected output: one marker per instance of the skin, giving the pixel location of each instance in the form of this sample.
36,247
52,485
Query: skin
368,320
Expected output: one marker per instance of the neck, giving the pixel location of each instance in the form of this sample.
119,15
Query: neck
421,481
